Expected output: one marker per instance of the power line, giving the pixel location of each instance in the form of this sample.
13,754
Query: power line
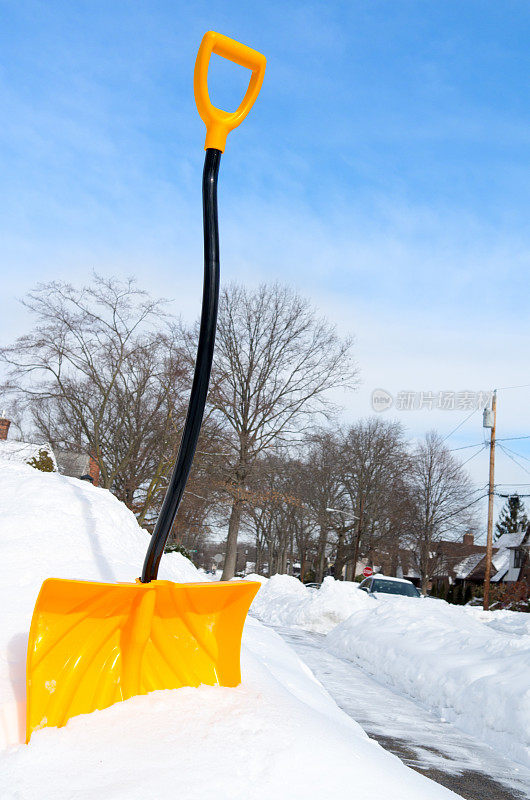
512,484
473,456
519,455
506,453
476,500
499,494
504,439
460,424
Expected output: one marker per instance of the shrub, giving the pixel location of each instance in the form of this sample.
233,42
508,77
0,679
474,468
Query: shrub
43,461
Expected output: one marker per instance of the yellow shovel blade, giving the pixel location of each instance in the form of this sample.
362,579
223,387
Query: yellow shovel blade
94,644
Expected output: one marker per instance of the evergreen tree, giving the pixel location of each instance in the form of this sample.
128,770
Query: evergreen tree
175,547
44,461
512,517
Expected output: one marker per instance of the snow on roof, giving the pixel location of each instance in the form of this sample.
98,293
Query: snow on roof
497,578
465,567
509,540
501,559
22,452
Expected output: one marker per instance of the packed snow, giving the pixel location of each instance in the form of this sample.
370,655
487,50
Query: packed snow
470,666
473,672
285,601
279,734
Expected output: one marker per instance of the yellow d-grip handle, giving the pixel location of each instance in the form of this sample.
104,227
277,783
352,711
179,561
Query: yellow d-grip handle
219,123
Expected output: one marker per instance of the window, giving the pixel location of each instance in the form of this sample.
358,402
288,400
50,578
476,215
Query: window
395,587
518,558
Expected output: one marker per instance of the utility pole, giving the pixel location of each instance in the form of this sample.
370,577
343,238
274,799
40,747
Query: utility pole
490,421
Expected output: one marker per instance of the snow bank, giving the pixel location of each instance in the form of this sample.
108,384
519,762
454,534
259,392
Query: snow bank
51,527
285,601
255,577
471,666
278,735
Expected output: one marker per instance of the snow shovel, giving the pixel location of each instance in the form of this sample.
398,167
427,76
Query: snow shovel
94,644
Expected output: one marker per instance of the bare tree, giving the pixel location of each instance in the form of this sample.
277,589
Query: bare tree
442,502
325,491
276,514
373,461
274,365
103,371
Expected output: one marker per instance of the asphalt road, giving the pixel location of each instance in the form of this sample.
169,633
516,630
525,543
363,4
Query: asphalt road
421,739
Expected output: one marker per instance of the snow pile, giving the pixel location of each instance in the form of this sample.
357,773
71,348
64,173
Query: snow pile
278,735
285,601
512,623
257,578
24,452
469,666
50,527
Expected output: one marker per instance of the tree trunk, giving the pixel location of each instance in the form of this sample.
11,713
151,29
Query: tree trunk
303,566
321,563
229,569
355,554
339,558
424,562
257,566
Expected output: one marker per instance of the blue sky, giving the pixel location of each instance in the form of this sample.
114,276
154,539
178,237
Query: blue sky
384,172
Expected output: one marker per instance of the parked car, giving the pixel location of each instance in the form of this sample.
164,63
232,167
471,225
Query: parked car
313,585
384,584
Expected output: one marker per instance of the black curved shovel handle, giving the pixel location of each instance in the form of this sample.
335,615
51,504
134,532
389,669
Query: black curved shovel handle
218,125
201,377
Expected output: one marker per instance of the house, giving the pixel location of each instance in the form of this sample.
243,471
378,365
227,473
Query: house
450,562
509,561
68,462
512,558
77,465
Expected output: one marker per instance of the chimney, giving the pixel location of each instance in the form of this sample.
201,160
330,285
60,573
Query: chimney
469,539
93,471
4,427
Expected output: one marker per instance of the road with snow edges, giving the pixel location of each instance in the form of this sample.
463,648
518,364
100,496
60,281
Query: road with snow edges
418,737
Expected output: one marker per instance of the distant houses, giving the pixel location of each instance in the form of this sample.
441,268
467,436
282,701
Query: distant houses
462,563
512,559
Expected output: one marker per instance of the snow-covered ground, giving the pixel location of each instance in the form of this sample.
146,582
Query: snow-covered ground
470,666
285,601
471,672
279,734
420,737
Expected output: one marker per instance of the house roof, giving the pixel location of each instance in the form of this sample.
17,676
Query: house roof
465,567
72,464
510,540
501,559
